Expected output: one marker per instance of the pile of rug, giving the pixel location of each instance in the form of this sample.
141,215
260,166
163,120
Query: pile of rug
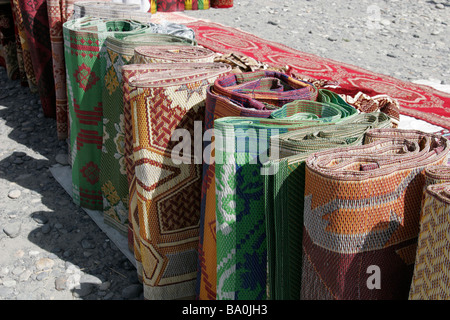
237,168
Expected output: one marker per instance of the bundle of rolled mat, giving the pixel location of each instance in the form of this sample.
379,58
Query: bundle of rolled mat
284,187
361,215
431,279
113,174
178,62
251,94
166,106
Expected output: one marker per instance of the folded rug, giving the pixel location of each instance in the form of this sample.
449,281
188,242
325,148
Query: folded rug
431,280
285,185
241,146
361,215
85,58
37,32
166,106
113,175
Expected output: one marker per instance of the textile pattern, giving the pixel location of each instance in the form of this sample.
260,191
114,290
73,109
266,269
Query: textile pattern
419,101
181,63
110,10
283,190
177,5
26,54
432,269
59,11
361,215
221,3
168,178
8,41
113,176
249,94
85,58
19,51
241,146
37,32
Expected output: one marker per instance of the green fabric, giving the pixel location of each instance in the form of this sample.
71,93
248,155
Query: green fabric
241,148
284,189
85,58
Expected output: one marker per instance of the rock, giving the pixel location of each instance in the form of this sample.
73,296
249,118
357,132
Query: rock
44,264
45,229
5,292
132,291
62,159
40,218
61,283
13,229
83,290
87,244
104,286
9,283
24,276
439,6
42,275
88,278
14,194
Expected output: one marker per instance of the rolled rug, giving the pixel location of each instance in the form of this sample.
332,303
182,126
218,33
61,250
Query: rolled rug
221,4
59,11
222,101
27,63
8,41
241,146
182,61
166,106
169,54
437,174
431,270
284,187
361,215
111,10
37,33
177,5
113,175
85,58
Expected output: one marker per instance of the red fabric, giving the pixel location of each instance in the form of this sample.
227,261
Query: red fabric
221,3
419,101
37,30
170,5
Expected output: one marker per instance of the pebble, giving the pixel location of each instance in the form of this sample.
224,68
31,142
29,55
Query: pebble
44,263
12,229
132,291
14,194
62,159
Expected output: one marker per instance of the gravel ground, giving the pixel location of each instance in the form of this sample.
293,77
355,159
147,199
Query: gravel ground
406,39
51,249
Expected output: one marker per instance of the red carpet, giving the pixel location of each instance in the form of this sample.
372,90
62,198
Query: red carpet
419,101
